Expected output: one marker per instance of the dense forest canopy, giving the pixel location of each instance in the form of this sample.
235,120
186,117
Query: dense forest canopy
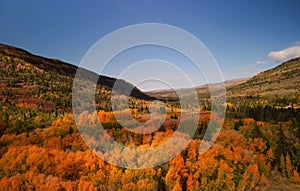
258,147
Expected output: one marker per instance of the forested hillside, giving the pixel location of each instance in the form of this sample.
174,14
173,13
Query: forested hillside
281,81
36,90
41,148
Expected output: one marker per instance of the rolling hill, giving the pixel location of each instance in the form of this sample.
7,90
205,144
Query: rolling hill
281,81
41,148
29,79
202,90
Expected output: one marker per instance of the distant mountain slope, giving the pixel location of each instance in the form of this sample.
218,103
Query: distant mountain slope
202,91
27,78
283,80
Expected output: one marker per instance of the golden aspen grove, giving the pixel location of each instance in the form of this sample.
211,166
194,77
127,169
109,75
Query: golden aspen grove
258,147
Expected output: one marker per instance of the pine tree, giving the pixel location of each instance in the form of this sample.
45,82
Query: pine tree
177,186
190,182
288,166
295,178
282,165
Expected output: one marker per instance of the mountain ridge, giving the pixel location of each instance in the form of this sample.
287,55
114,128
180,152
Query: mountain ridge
282,80
67,69
202,90
279,81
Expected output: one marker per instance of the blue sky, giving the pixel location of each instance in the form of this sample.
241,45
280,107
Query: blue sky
244,36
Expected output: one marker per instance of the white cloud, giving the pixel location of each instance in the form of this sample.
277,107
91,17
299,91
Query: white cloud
261,62
286,54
